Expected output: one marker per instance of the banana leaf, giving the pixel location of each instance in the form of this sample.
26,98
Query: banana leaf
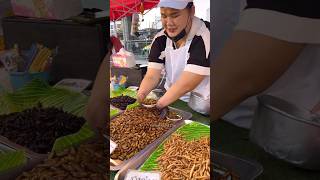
113,112
23,98
131,106
124,92
129,92
11,159
117,92
71,140
191,131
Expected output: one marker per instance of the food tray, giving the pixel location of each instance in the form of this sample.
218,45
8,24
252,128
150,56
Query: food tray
29,153
185,115
245,169
12,174
136,163
38,157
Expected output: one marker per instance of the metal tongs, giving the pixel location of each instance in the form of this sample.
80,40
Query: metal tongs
163,112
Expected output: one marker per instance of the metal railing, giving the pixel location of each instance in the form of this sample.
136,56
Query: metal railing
139,48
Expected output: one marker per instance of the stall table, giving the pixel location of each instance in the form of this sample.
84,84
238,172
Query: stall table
195,117
233,140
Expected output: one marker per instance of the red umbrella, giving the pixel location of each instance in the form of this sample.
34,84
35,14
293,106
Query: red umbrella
123,8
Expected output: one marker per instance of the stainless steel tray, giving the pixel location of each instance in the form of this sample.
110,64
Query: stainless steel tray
136,162
29,153
245,169
185,115
15,172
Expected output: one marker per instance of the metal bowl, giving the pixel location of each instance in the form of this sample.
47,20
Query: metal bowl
149,105
175,119
199,104
287,132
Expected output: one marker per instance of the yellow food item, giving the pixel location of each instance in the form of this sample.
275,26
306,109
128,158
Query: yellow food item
183,159
40,59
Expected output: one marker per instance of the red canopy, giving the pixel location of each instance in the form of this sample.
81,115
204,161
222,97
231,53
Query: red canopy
122,8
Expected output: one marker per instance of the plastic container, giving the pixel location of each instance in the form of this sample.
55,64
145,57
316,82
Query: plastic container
19,79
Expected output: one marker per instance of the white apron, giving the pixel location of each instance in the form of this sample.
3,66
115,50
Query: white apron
300,85
175,63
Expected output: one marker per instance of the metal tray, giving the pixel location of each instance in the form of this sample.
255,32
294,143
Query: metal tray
37,157
185,115
29,153
13,173
136,162
245,169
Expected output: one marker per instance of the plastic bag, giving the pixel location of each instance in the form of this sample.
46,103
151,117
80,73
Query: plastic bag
123,59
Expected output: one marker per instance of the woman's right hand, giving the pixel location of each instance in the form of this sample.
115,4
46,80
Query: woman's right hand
141,96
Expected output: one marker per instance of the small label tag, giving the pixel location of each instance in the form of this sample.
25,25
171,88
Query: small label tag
139,175
113,146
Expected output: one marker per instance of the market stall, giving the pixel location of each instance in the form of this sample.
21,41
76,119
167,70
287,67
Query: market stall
190,131
136,155
123,8
129,150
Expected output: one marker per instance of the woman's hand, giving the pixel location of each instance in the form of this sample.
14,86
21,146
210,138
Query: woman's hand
149,82
161,103
141,95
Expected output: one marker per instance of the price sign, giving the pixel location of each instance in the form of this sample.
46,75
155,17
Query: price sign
140,175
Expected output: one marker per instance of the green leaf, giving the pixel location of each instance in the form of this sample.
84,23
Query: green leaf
124,92
115,93
76,105
113,112
37,84
191,131
71,140
11,159
129,92
131,106
23,98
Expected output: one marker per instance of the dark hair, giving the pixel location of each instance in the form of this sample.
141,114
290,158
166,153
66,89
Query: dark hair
189,5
